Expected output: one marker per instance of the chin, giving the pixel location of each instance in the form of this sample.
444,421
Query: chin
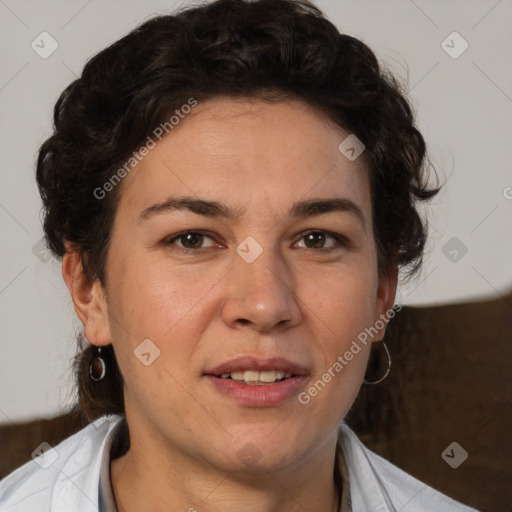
256,450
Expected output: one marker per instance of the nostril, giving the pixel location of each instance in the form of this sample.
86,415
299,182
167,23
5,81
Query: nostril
243,321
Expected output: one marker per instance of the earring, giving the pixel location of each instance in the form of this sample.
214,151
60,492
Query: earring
374,364
98,368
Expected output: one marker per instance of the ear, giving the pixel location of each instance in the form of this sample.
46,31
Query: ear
88,298
386,292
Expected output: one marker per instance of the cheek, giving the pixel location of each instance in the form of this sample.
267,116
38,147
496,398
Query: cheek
170,306
341,312
343,299
152,332
340,306
145,296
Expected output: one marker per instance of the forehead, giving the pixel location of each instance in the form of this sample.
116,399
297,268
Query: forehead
247,151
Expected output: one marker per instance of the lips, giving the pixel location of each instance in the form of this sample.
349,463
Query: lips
253,382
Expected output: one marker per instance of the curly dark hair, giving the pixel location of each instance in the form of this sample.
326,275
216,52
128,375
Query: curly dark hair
275,50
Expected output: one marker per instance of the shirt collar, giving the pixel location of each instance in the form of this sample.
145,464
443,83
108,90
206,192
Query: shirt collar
116,444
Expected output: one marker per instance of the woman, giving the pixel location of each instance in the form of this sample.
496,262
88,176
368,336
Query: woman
232,191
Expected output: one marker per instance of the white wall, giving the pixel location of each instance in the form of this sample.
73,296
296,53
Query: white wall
464,108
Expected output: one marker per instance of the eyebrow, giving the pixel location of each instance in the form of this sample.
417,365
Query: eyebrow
215,209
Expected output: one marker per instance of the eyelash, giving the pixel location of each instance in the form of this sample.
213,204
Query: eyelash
340,240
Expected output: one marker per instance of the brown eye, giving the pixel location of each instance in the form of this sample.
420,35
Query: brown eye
323,240
315,240
191,240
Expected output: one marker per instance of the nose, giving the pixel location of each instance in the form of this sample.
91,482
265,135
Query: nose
260,295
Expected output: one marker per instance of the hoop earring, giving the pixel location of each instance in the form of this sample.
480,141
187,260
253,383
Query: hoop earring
98,368
381,346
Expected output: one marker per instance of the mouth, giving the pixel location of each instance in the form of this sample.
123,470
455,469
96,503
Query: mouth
258,382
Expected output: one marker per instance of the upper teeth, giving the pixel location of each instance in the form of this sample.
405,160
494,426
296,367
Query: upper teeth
249,376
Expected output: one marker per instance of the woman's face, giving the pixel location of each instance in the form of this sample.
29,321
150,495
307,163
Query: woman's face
243,242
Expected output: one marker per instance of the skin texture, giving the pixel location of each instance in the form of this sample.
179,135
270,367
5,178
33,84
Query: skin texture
300,299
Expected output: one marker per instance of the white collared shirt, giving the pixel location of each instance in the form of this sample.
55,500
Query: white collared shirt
74,476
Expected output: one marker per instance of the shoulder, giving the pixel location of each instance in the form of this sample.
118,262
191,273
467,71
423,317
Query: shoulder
377,484
62,476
